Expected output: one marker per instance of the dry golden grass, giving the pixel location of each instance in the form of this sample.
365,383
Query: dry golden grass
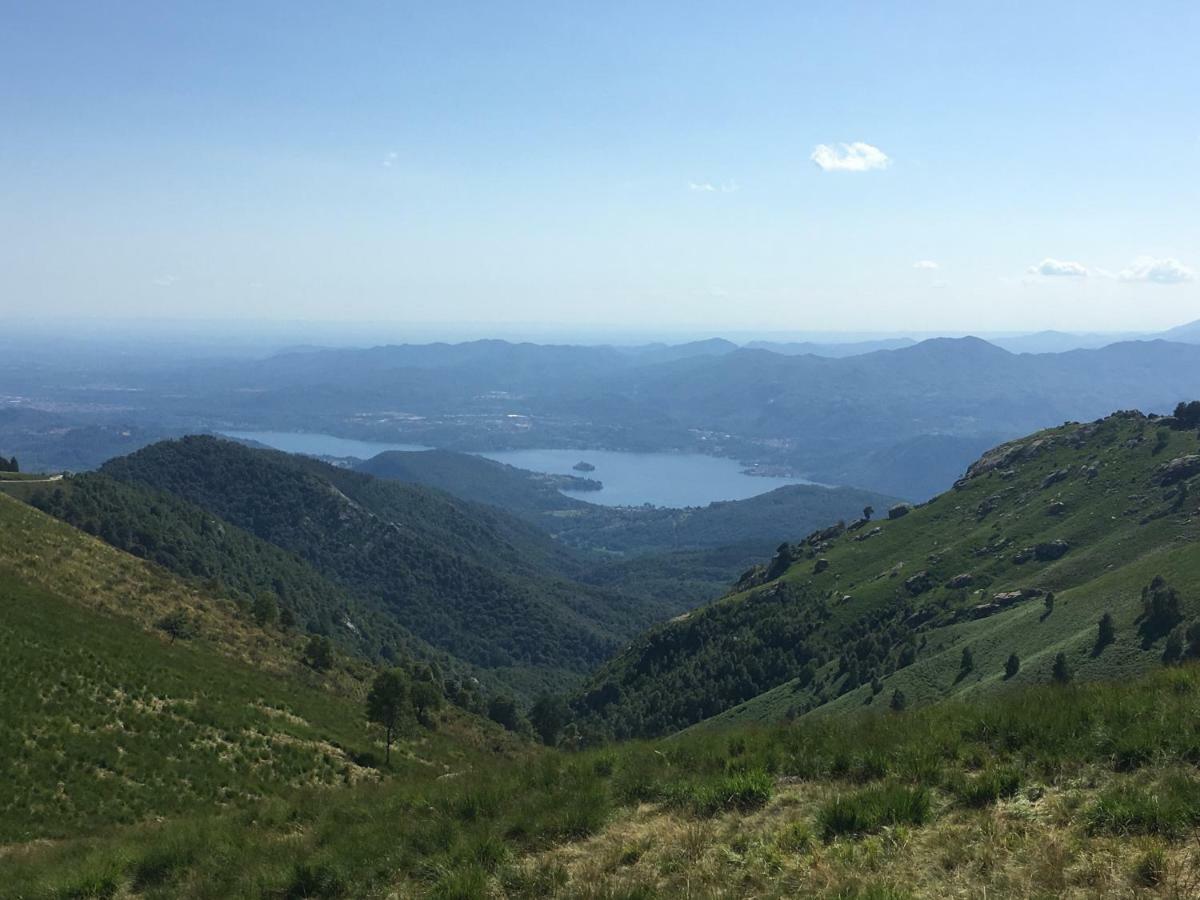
1028,847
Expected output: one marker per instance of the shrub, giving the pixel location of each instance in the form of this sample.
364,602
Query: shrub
874,808
1061,672
1013,666
742,791
1151,869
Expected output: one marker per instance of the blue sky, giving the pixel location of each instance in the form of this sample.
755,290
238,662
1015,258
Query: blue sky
1022,165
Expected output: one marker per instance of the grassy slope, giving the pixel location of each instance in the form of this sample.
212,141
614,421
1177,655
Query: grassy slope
1119,524
105,722
1086,791
1116,554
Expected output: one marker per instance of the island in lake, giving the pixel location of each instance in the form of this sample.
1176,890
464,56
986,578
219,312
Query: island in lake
582,466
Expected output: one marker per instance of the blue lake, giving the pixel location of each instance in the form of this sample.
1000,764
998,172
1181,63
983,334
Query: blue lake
630,479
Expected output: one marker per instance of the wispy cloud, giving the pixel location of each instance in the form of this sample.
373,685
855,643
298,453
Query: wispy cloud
1059,268
707,187
925,264
854,157
390,159
1147,269
166,280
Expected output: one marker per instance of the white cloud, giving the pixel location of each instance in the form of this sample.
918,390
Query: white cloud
925,264
390,159
1157,271
707,187
855,157
166,280
1059,268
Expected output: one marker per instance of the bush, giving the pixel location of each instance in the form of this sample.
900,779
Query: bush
1151,869
1013,666
742,791
874,808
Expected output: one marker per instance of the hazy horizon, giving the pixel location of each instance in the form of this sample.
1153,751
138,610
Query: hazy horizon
918,168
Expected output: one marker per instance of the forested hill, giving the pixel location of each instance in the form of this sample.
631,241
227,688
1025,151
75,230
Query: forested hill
481,585
264,580
981,587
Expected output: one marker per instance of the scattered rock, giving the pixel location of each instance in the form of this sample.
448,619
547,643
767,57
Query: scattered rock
1051,550
1055,477
1178,469
1057,508
919,583
899,511
869,534
960,581
820,566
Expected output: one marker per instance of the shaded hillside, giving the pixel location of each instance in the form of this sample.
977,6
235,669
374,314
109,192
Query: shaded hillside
224,560
1091,513
479,479
466,579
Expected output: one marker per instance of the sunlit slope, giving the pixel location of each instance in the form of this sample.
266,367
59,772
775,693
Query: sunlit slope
107,721
1091,513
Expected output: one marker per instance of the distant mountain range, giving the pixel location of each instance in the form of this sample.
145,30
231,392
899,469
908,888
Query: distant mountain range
891,416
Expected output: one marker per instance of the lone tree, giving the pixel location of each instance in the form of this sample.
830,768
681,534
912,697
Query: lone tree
548,717
868,511
1013,666
1062,669
176,625
9,465
968,660
1049,603
1106,631
899,701
426,700
386,703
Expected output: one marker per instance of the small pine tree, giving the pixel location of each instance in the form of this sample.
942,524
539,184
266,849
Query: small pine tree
899,701
868,511
1049,602
386,702
876,685
1106,631
1013,666
968,660
1062,669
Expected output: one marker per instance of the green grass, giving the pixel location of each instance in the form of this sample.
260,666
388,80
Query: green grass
424,835
873,808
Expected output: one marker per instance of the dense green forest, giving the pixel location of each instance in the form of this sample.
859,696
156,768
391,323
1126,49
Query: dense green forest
487,588
227,560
